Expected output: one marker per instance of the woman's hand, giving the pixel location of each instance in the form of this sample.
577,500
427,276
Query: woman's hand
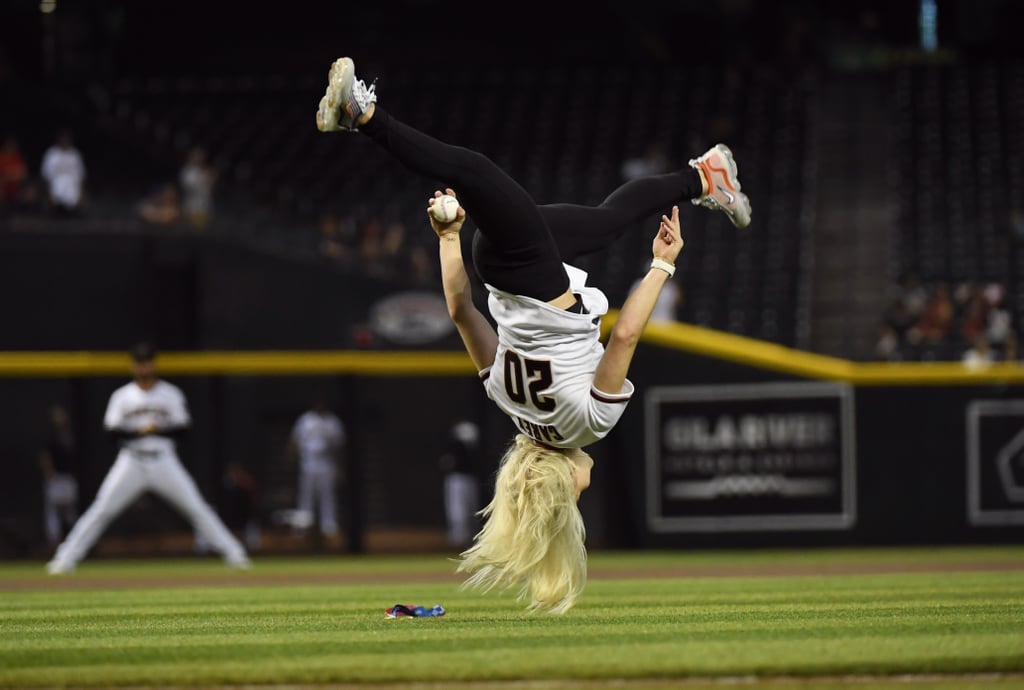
454,226
668,242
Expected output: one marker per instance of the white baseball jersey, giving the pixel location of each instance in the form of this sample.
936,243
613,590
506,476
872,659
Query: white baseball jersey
131,408
543,371
317,436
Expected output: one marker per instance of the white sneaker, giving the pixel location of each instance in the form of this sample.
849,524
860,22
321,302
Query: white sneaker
345,100
719,170
59,567
238,562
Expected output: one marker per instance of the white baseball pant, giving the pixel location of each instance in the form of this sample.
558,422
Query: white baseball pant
130,476
60,505
461,499
316,485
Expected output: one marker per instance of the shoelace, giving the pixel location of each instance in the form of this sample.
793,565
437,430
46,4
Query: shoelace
364,96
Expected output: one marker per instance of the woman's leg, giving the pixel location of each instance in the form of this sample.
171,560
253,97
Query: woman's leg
580,230
513,250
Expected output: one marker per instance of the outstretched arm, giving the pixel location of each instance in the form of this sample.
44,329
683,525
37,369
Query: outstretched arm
477,334
614,365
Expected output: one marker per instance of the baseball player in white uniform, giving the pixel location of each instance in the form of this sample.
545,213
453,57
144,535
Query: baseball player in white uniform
146,416
318,438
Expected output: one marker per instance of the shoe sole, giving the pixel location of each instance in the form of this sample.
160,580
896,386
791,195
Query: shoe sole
342,71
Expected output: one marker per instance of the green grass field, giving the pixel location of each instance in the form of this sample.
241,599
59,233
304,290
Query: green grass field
922,618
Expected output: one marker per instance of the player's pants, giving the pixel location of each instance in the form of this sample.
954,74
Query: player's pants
519,246
317,490
461,501
60,505
129,477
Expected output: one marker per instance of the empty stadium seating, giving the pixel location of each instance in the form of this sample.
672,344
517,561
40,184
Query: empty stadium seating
563,144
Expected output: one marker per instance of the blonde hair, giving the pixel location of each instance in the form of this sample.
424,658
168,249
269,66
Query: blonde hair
534,533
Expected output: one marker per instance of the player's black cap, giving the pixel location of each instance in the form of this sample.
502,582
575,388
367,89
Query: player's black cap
143,352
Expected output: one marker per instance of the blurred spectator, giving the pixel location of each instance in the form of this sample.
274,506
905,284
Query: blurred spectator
651,162
58,461
421,266
161,207
898,318
197,179
392,247
973,308
64,171
331,241
371,249
13,172
913,294
937,319
999,331
979,355
889,345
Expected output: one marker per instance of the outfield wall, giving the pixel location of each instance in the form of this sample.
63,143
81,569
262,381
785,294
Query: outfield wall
731,454
916,453
710,452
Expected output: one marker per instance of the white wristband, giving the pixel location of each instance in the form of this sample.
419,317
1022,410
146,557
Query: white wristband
663,265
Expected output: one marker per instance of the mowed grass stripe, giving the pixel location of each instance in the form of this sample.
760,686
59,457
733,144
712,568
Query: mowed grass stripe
906,623
377,566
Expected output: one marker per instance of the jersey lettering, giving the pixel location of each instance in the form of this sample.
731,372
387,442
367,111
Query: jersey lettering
538,372
539,432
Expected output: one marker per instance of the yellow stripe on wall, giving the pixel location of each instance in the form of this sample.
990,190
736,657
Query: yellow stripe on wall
677,336
257,363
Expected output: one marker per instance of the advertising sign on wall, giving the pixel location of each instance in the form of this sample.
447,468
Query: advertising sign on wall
995,462
772,456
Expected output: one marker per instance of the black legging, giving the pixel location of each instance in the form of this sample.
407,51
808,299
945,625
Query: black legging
519,246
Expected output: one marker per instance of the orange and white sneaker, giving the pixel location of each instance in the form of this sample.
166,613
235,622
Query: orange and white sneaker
345,100
718,168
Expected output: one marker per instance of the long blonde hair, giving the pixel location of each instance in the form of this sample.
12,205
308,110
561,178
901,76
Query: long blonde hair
534,533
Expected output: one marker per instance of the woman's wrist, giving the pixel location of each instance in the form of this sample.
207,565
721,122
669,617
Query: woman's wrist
662,264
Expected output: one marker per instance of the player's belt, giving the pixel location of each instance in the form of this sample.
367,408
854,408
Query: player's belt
146,454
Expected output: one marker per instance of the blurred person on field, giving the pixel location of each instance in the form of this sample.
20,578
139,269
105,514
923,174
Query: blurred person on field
317,442
63,169
146,417
59,463
460,464
197,180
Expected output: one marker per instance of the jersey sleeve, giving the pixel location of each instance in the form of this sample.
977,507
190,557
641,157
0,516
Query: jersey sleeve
179,413
605,409
113,417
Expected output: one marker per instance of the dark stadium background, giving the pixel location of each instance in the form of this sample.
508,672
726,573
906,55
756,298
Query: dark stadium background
867,158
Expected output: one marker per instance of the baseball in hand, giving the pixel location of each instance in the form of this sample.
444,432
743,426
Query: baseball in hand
445,208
